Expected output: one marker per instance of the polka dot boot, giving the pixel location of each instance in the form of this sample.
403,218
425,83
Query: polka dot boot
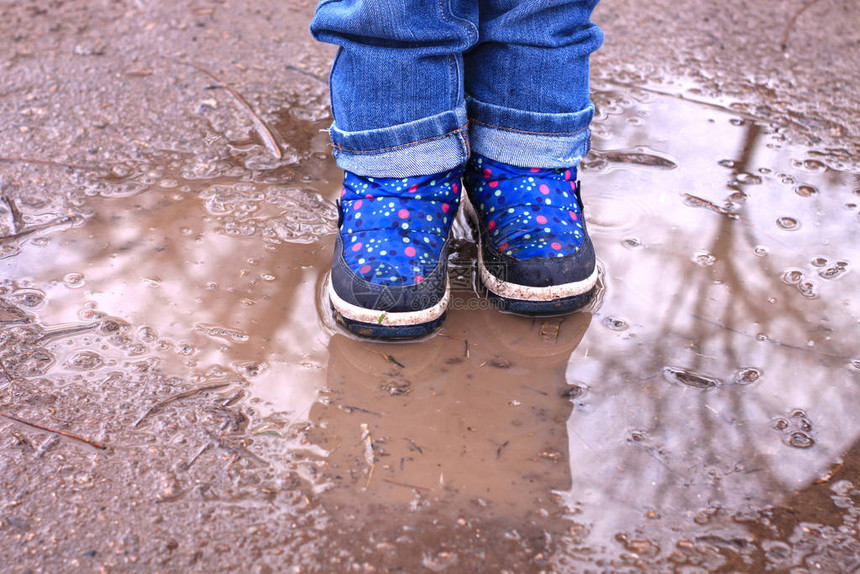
389,274
535,256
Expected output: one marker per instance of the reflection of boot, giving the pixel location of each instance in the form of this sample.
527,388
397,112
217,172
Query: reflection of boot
474,415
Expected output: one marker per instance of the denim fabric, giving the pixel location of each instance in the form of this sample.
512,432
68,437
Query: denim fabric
409,73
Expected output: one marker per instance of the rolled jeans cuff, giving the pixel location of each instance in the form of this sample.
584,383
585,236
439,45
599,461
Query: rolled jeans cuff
422,147
529,139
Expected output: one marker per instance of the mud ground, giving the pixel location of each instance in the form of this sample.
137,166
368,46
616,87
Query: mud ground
175,396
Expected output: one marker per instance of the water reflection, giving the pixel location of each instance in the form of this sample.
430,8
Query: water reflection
699,415
730,391
467,429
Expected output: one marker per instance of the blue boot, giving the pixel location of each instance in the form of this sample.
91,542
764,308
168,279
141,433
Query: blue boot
389,276
534,256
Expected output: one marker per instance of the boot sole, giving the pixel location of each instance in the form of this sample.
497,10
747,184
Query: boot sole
376,324
526,299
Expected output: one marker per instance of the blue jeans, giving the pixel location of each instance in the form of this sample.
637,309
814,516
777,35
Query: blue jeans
417,84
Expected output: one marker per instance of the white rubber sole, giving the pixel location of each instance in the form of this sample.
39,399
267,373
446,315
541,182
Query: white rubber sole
385,318
508,290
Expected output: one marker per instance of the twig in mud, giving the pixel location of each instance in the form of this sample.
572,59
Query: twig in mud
369,476
549,331
191,462
712,206
368,444
158,406
262,129
348,409
238,451
739,113
17,220
52,412
37,228
390,359
43,162
93,443
368,452
717,209
5,372
501,448
413,446
466,348
446,335
770,341
791,22
305,73
405,485
65,332
234,399
831,473
23,442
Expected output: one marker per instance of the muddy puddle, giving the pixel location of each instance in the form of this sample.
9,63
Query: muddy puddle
175,395
700,415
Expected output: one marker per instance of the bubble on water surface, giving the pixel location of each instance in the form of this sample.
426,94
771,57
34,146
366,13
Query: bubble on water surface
747,375
807,289
760,251
805,190
792,276
800,440
74,280
745,178
832,272
814,165
185,349
704,258
29,298
85,361
788,223
615,324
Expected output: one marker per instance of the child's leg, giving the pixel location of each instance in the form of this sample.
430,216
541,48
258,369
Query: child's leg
400,135
397,83
529,110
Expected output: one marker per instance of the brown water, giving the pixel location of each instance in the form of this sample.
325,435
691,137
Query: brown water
168,305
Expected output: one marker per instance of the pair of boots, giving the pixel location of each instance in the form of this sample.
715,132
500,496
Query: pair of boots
389,276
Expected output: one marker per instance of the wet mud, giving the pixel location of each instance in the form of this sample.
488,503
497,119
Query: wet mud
176,396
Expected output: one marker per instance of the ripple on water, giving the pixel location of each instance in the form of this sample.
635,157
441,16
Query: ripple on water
611,214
